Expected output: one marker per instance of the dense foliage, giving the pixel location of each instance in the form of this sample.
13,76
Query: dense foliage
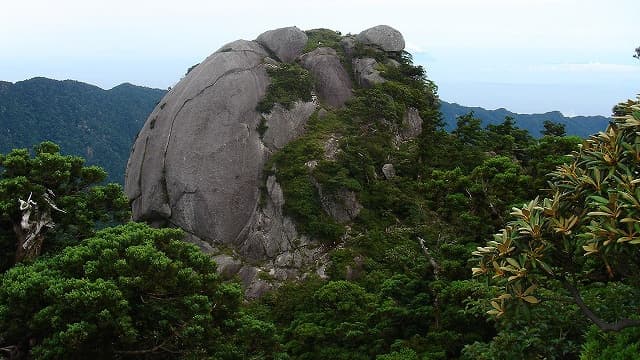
585,234
130,290
47,177
289,83
399,283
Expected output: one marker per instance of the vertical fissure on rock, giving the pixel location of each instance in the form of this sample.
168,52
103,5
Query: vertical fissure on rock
165,190
144,156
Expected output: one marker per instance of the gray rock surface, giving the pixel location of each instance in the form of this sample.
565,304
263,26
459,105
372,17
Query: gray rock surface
348,44
331,79
252,282
273,236
228,266
342,205
271,233
331,147
204,126
389,171
411,124
285,125
286,43
383,36
244,45
365,72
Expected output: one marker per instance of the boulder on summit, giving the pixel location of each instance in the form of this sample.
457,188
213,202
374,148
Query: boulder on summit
285,43
383,36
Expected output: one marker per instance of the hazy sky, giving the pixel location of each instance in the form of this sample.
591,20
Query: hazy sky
527,55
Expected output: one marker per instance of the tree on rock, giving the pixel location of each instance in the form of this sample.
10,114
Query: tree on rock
584,235
553,129
52,196
128,291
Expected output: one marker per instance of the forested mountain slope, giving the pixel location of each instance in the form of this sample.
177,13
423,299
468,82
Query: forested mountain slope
85,120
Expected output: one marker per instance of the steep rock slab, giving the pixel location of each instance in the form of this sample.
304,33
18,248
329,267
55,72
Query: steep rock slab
285,125
383,36
286,43
331,79
244,45
197,161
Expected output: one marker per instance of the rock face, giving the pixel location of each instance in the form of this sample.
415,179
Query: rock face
388,171
286,43
331,79
411,124
286,125
383,36
365,72
198,161
342,206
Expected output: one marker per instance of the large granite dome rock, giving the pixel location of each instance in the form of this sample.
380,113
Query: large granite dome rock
198,162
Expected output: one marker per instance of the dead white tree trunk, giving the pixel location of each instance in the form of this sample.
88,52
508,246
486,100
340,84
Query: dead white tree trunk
33,224
436,277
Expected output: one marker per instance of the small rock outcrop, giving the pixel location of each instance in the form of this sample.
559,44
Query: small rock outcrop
411,124
285,43
348,44
331,79
366,73
285,125
388,171
342,205
383,36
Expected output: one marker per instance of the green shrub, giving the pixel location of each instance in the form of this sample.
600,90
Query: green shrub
323,38
289,83
128,290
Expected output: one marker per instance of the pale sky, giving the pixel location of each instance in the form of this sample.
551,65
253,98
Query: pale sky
525,55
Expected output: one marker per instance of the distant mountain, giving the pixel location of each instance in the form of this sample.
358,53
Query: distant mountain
582,126
83,119
100,125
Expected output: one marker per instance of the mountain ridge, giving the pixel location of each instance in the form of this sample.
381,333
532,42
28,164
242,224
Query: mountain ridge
582,126
101,124
84,119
